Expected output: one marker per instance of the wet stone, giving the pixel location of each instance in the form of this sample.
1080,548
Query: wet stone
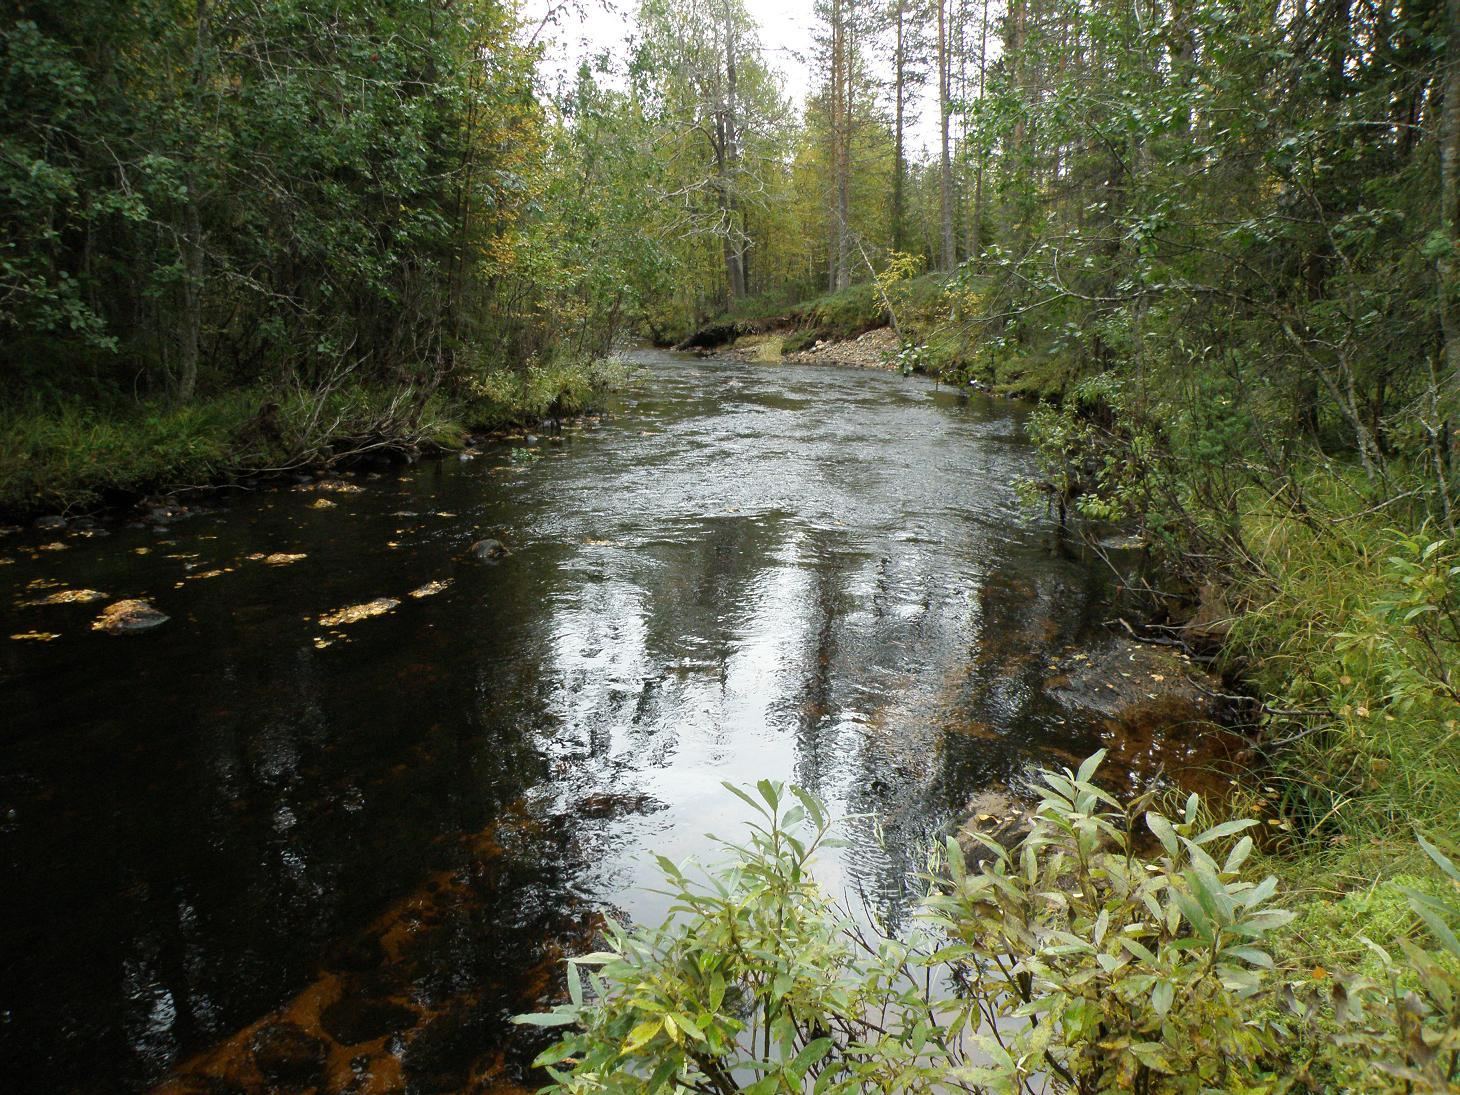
285,1054
127,617
488,549
354,1020
441,1056
356,955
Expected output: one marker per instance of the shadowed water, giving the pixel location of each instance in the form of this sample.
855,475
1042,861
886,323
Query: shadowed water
746,571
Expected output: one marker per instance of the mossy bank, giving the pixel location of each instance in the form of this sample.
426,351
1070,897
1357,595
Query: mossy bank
73,455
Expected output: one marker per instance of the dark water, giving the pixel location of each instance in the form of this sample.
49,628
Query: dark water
746,571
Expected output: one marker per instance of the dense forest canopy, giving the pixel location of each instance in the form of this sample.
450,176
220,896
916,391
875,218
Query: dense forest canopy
1254,199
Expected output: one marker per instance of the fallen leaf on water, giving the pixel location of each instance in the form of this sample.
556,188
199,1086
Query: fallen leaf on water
321,643
36,636
431,588
281,558
321,503
208,574
142,550
378,607
69,597
55,546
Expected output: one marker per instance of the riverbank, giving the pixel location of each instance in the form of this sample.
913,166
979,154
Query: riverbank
70,456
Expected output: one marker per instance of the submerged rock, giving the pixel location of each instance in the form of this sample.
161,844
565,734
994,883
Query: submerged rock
991,814
125,617
353,1020
285,1054
488,549
69,597
378,607
1131,681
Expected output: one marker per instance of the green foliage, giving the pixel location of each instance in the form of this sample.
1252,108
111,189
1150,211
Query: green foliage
1074,961
1073,955
1132,972
76,453
1407,1018
843,314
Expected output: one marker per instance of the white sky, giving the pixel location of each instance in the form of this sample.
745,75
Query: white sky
585,28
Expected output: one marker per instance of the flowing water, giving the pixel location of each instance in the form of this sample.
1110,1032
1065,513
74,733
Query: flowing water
264,840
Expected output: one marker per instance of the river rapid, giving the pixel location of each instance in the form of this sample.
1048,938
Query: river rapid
271,842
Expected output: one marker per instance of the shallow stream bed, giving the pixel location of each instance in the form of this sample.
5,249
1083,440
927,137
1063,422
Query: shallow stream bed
284,838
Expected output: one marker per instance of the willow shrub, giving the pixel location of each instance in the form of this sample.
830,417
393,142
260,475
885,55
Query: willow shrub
1072,961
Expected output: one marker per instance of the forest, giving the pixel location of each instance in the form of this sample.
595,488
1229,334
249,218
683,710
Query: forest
1217,242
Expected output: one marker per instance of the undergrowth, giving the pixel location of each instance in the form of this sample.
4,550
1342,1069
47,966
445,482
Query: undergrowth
64,453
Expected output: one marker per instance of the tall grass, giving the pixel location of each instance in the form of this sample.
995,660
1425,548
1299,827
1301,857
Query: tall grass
69,453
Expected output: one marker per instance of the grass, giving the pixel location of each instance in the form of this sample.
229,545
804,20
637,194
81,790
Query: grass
1334,633
70,453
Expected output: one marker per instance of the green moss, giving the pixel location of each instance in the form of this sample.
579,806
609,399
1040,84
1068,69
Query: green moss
69,453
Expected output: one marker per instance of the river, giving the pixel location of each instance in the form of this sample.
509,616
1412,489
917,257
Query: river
221,828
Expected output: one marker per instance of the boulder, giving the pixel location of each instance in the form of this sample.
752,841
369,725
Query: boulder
354,1020
488,550
126,617
288,1056
994,814
1212,621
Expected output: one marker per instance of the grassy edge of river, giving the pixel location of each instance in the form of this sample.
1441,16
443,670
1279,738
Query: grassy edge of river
69,456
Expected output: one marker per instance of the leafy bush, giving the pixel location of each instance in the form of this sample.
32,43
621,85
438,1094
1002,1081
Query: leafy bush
1072,956
1075,961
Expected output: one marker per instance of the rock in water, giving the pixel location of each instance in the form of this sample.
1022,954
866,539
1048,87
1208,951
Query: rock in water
351,1021
286,1055
488,549
125,617
378,607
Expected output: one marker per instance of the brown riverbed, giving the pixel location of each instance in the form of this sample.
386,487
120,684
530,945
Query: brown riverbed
339,815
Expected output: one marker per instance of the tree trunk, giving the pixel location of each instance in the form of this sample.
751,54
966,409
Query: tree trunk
190,229
948,258
975,228
729,166
899,160
1449,264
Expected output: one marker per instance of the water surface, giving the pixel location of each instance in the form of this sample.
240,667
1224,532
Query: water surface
242,816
